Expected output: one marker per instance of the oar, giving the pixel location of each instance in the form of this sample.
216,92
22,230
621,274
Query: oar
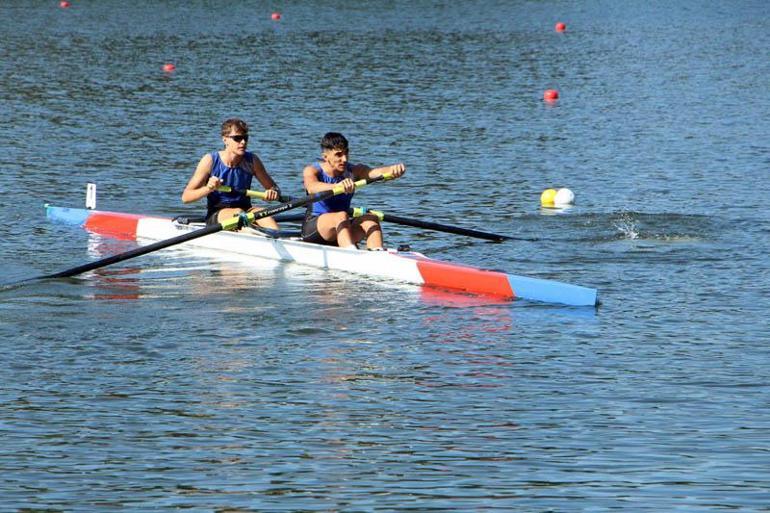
359,211
227,224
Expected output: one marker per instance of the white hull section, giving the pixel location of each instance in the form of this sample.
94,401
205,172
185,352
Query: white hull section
380,264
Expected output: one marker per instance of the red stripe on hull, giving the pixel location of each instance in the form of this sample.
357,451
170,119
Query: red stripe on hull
469,279
119,226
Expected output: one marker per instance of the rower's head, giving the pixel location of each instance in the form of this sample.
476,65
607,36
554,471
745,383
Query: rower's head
334,150
334,141
235,134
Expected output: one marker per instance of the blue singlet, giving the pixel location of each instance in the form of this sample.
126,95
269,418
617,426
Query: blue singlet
337,203
235,177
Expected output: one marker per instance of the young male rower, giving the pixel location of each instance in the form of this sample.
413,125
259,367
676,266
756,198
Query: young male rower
235,167
328,222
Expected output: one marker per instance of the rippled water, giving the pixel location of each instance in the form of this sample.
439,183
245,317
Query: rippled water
185,380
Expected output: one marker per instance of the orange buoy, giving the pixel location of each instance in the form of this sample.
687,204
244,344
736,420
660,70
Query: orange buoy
551,95
276,16
64,4
169,67
560,27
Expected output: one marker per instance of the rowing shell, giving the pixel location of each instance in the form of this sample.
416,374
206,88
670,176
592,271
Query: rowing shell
403,266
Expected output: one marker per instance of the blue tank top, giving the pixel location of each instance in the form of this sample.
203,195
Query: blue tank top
337,203
237,178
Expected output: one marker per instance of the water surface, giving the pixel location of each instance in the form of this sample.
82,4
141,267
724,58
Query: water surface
183,380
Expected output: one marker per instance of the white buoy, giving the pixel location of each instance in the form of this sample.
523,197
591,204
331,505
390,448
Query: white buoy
563,197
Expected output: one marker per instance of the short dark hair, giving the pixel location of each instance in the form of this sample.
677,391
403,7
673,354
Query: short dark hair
238,124
334,141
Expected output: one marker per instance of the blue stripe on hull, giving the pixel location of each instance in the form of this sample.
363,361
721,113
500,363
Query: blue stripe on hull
548,291
66,215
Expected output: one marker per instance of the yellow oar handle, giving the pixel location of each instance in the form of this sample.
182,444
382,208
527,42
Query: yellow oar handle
339,189
359,211
248,192
238,221
361,183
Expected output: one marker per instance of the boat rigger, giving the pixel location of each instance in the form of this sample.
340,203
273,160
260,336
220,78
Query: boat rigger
404,266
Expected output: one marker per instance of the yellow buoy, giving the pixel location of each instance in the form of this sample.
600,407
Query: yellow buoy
546,199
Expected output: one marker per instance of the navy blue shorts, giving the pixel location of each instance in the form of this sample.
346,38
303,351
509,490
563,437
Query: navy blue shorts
211,215
310,232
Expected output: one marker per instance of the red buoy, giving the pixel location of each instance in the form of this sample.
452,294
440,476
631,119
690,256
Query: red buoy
64,4
560,27
551,95
169,67
276,16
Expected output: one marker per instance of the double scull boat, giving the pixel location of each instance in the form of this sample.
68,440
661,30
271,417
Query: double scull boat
403,266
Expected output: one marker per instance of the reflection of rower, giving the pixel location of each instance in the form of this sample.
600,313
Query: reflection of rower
328,221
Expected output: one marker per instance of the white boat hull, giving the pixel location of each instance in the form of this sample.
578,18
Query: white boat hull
409,267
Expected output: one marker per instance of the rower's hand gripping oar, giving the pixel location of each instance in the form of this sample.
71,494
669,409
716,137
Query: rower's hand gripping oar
227,224
359,211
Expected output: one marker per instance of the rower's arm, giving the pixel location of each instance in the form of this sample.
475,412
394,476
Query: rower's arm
361,171
311,182
259,171
201,183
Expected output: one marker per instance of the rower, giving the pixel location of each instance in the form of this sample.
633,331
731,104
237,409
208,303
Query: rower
328,222
233,167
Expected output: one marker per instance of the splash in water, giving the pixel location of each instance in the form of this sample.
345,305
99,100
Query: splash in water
626,225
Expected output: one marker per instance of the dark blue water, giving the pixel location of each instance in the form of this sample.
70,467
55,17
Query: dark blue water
185,381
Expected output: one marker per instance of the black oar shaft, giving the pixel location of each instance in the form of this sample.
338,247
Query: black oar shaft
444,228
433,226
417,224
143,250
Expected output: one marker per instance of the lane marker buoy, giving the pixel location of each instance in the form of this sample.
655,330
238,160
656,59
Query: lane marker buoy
564,197
551,95
553,198
546,198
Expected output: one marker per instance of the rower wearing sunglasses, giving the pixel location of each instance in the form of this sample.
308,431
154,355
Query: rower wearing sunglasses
235,167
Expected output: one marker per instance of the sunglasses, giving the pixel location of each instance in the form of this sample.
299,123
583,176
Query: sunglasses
239,138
